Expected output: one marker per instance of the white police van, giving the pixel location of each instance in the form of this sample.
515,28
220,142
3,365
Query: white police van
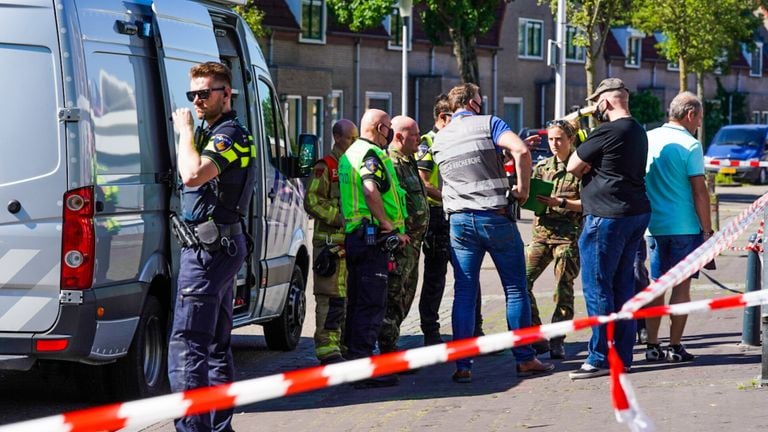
87,178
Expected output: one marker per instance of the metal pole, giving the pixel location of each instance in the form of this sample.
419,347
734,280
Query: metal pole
560,70
404,94
751,326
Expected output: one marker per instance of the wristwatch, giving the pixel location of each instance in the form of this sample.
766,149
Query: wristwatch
563,202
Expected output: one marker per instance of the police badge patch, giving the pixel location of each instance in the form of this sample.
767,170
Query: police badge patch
221,143
372,164
423,150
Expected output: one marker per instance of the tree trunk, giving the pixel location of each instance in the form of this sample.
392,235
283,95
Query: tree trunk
466,56
683,75
589,71
700,94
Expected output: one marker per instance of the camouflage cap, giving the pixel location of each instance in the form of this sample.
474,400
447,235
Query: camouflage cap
607,84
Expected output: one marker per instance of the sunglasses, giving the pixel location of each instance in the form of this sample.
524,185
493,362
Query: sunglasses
202,94
562,124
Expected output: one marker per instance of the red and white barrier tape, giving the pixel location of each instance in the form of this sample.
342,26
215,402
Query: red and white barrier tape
735,163
147,411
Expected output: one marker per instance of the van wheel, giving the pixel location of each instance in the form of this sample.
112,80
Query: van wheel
283,333
762,177
143,372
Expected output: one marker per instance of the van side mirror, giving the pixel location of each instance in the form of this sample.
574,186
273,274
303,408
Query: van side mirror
307,154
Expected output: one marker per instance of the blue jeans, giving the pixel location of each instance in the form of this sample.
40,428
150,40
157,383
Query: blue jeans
472,235
607,248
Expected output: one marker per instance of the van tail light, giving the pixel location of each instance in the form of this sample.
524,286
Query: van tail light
78,241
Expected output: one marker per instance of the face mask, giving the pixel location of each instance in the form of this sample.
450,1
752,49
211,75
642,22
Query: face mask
390,135
599,115
479,109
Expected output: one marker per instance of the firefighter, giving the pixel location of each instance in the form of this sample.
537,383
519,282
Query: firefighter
322,202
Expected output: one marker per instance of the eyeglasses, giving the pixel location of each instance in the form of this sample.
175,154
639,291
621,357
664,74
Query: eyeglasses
202,94
562,124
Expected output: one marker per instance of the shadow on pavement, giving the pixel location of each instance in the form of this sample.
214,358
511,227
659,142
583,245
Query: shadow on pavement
737,198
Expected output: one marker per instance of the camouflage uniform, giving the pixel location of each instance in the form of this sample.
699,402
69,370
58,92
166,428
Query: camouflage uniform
555,236
404,278
322,201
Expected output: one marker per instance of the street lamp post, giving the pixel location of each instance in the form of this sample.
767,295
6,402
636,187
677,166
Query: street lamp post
560,70
405,13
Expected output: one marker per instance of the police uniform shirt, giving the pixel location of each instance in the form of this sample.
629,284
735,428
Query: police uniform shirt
228,145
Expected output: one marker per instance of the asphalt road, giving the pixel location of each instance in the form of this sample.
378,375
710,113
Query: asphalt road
34,394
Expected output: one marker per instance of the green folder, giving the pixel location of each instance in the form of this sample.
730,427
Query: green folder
538,187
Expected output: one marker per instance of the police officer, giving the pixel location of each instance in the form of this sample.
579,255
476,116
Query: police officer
404,277
556,232
437,240
215,166
322,201
373,206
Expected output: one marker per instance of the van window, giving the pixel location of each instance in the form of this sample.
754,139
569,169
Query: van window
31,143
274,128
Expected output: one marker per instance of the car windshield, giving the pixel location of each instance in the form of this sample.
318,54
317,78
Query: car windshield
740,137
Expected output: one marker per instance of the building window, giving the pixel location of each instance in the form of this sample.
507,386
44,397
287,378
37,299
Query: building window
673,66
756,117
293,118
379,100
486,108
394,24
765,117
633,52
574,52
315,117
336,107
530,38
513,112
756,60
312,21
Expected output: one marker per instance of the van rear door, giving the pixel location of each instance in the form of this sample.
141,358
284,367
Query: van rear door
33,167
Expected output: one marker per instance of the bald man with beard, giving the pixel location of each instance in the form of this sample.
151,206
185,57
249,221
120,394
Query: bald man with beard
373,205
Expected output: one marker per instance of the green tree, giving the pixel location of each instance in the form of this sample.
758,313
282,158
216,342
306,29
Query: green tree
700,35
461,20
595,18
253,16
645,107
725,108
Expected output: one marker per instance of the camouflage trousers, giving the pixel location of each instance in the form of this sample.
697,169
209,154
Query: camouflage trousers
401,291
330,310
566,256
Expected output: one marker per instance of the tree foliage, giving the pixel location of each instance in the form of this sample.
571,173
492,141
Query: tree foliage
645,107
253,16
699,35
461,21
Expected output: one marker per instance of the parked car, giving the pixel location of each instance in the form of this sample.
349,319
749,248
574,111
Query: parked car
742,143
542,150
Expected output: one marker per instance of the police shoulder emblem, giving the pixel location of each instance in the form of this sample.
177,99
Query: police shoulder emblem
423,150
372,164
221,143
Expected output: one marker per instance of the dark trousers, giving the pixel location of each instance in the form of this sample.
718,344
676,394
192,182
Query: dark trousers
366,295
199,353
437,255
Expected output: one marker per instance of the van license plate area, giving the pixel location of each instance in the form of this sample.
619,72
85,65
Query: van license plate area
728,170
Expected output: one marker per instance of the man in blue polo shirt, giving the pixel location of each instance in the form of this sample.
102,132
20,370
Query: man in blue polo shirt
680,219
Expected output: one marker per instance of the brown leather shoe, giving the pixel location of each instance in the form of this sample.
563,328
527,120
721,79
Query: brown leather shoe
533,367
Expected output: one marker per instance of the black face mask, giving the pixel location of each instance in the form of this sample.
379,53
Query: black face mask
390,134
600,116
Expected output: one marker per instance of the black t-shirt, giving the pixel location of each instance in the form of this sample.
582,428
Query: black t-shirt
615,186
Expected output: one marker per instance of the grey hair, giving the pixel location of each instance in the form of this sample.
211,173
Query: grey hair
682,104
